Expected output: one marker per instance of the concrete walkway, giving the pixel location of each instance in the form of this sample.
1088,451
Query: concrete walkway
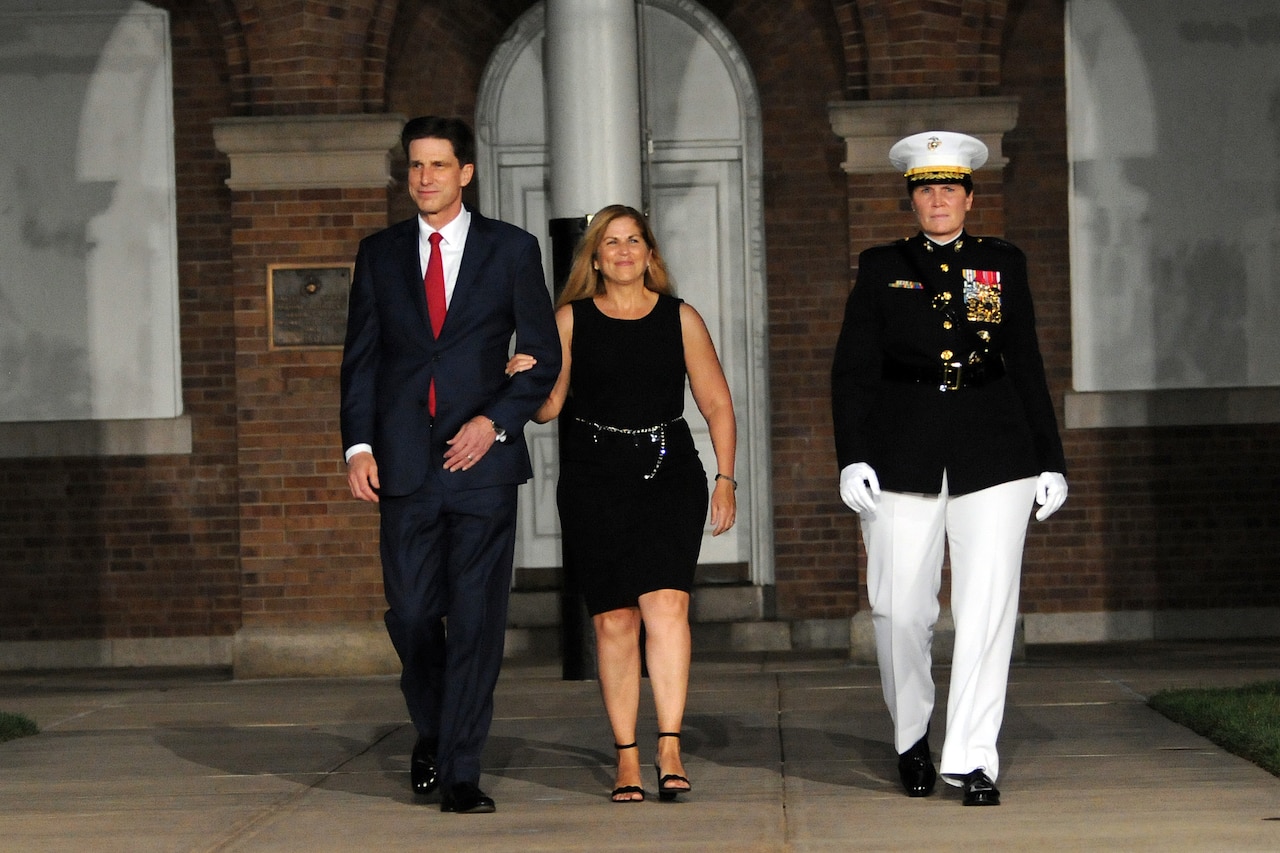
785,754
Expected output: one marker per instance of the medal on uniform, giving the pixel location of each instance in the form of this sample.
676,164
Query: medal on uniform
982,295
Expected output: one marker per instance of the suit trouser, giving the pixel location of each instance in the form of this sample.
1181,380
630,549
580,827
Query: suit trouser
446,561
985,532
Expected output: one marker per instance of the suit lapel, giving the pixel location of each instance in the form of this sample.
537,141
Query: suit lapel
475,252
406,249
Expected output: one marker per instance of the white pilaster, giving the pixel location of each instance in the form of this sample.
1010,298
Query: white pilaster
593,105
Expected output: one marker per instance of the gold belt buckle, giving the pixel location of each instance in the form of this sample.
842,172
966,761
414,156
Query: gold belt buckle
951,376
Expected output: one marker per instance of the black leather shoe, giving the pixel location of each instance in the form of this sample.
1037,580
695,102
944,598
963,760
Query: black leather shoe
466,798
422,768
979,790
915,767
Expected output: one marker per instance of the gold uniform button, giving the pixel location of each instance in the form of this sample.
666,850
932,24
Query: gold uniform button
946,354
946,324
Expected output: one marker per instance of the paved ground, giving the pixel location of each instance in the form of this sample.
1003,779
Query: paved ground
785,754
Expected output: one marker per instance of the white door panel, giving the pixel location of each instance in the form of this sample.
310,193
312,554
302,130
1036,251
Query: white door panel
522,200
691,203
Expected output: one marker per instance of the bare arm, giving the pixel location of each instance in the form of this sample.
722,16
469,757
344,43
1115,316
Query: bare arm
560,391
711,394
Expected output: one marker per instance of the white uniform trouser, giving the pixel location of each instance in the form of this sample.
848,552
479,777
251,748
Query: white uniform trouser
985,532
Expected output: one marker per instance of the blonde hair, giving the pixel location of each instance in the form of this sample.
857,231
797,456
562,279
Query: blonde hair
585,280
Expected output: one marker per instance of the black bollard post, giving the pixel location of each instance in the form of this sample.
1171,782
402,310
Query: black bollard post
576,660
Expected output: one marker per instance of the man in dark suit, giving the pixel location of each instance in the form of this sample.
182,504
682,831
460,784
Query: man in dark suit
945,433
432,427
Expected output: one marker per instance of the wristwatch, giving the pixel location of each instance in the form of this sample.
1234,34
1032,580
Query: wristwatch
499,434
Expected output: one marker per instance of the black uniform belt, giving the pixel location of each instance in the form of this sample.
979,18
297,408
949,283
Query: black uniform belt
947,377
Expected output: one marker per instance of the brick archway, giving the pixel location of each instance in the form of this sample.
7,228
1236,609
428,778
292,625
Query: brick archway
280,57
897,49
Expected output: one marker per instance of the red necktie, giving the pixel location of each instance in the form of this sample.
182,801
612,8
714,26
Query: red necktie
434,283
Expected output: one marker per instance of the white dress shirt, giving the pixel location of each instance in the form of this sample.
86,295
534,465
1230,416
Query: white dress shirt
453,238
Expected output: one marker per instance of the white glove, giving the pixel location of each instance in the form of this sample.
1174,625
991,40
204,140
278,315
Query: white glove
859,487
1051,492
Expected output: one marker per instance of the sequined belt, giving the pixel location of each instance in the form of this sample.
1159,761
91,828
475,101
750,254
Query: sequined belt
657,434
947,377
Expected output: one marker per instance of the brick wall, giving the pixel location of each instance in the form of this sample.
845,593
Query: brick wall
796,56
134,547
308,550
1166,519
255,526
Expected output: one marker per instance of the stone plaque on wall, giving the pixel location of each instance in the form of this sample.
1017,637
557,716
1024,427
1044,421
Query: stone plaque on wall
307,305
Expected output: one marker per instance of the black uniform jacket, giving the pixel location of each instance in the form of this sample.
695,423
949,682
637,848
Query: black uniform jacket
909,431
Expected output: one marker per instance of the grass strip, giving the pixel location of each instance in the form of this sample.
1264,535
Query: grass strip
1245,721
14,726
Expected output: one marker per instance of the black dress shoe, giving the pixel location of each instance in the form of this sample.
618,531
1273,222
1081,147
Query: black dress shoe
979,790
422,768
466,798
915,767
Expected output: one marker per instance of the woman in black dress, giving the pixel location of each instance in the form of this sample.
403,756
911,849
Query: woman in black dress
633,493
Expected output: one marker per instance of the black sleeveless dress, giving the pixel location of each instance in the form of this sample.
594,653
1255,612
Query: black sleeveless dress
632,493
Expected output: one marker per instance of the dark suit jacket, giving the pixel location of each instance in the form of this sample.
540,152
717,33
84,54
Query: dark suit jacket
391,356
910,433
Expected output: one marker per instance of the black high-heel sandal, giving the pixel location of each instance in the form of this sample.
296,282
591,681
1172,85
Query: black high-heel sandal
665,791
627,789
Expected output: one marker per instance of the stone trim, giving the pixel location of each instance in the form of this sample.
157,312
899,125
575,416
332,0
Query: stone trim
1092,627
58,439
308,152
276,651
113,653
1174,407
869,128
862,638
1131,625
